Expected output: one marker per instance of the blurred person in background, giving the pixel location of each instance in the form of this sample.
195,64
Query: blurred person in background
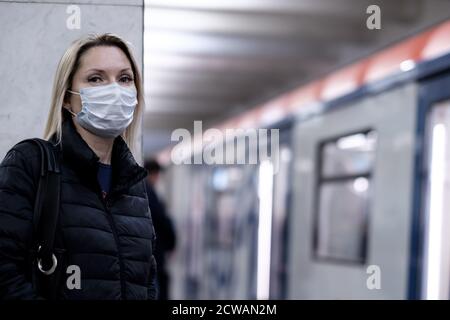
164,229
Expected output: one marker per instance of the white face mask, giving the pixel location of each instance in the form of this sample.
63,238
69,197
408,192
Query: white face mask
106,110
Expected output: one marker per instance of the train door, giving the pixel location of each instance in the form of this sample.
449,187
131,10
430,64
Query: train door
272,209
247,225
186,203
352,199
230,233
432,240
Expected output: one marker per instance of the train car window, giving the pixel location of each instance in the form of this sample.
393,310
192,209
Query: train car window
343,197
349,155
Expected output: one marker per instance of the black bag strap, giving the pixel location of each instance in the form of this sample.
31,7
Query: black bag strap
46,209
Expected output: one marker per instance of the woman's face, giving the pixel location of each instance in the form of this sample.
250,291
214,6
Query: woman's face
100,66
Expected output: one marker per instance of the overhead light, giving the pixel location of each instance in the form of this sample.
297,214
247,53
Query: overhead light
407,65
220,180
360,185
351,142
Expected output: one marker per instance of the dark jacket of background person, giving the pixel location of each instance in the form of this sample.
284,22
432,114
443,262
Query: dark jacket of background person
110,242
165,239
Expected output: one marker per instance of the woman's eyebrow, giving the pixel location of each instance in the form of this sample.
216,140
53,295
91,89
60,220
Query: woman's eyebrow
103,71
96,70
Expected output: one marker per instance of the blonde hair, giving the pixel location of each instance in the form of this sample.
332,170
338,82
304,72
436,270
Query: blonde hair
67,67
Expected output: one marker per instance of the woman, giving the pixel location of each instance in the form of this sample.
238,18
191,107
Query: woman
104,226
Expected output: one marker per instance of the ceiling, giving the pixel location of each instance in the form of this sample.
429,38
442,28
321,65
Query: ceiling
211,59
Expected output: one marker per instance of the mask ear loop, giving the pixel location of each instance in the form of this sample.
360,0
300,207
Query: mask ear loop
73,92
73,114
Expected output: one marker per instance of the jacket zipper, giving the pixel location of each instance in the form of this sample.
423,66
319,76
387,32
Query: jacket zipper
119,252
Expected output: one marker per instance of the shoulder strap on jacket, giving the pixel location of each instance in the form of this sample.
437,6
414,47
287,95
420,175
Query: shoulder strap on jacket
47,215
47,202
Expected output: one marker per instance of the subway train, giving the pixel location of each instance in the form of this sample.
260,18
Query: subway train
359,206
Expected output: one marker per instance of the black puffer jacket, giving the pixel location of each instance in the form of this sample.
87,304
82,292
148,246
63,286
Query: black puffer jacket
111,241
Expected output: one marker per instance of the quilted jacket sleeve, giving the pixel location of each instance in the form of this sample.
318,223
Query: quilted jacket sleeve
153,293
18,185
153,290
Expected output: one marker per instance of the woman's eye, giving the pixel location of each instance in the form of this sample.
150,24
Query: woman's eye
95,79
126,79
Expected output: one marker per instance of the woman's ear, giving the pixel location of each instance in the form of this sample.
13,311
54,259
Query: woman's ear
66,100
